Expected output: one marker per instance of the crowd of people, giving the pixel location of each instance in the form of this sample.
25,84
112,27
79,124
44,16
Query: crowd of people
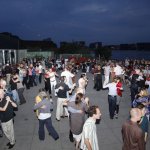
72,99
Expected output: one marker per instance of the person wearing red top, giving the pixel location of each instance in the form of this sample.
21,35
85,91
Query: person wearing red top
119,95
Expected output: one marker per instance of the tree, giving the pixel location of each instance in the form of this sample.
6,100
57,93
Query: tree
103,52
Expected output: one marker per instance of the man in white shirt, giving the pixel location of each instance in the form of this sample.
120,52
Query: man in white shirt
106,72
69,77
112,96
89,139
118,71
53,81
82,83
40,72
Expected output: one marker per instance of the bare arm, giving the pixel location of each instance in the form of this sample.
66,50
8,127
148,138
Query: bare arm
105,85
87,143
56,74
145,138
12,103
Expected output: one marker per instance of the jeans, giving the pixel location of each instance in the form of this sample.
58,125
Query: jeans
15,96
21,96
49,127
37,78
40,78
112,105
134,91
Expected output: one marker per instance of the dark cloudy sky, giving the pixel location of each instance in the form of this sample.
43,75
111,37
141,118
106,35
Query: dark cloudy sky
108,21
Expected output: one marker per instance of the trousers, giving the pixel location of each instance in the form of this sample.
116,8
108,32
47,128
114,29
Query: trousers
112,105
49,127
8,129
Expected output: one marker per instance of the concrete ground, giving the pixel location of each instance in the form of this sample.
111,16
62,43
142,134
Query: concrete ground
109,131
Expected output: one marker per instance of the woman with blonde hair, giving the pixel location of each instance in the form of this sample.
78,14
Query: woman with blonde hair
44,118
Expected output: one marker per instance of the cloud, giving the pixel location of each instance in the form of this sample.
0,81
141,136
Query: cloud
90,8
84,19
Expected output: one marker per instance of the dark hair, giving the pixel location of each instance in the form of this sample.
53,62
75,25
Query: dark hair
118,78
78,100
82,75
62,78
140,106
92,110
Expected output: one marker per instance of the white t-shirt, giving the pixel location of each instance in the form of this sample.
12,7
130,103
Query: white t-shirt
40,68
43,116
112,88
69,77
52,76
118,70
81,83
106,70
89,132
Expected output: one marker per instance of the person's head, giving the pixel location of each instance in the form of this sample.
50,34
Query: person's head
78,99
2,83
62,78
15,76
42,95
137,71
21,65
135,114
2,93
143,92
142,108
98,67
94,112
31,66
66,67
107,64
115,79
118,79
50,70
82,75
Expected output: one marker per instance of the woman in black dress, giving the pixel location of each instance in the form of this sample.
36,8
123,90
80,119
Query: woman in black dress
98,85
47,82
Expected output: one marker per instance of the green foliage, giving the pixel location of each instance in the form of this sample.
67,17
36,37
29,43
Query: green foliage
103,52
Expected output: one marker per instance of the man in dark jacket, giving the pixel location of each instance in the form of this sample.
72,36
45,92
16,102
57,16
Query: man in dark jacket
6,117
61,89
132,134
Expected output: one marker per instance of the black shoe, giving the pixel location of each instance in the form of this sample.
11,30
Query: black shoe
62,116
56,138
70,93
1,134
51,110
11,146
8,144
57,119
23,103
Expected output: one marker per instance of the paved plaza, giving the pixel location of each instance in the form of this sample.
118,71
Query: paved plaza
109,131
